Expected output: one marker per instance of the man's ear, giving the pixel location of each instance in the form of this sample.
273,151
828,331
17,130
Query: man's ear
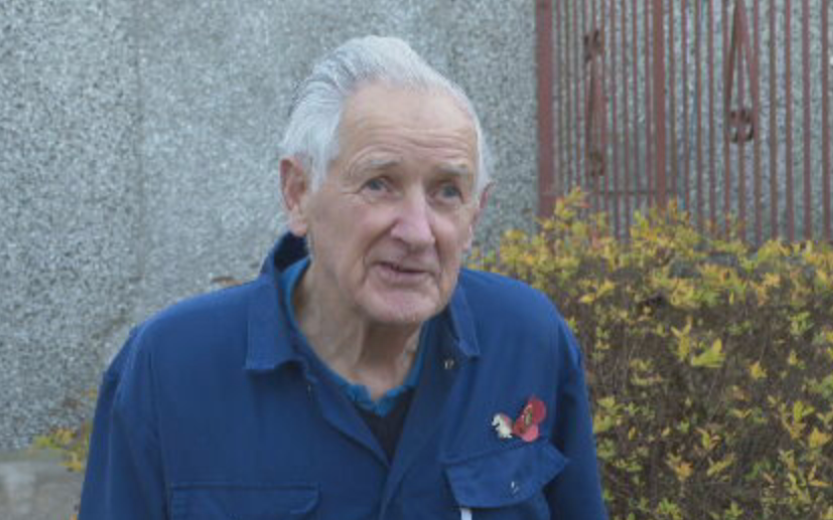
295,188
481,205
484,198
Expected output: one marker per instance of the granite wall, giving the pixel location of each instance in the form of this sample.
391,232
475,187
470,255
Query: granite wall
138,158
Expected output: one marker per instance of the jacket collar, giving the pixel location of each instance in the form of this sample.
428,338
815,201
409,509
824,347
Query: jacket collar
271,339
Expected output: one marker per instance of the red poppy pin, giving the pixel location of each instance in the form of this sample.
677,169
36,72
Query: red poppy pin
526,425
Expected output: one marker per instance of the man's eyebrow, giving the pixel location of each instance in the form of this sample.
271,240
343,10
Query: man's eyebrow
456,170
362,167
375,164
381,164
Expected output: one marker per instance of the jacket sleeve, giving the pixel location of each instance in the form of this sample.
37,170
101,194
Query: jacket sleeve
576,493
124,478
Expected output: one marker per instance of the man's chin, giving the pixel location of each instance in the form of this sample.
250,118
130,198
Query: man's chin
403,311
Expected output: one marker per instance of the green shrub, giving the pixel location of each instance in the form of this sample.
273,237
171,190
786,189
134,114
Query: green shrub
710,365
72,444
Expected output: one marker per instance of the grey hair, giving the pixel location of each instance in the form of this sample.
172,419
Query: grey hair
311,135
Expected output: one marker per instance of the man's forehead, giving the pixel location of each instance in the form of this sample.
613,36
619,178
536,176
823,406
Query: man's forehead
377,110
383,99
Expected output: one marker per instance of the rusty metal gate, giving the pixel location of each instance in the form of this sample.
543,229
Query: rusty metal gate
720,105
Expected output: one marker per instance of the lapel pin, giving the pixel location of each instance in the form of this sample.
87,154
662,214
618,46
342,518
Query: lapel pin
526,425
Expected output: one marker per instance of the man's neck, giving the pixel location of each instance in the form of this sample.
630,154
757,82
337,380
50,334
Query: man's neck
378,356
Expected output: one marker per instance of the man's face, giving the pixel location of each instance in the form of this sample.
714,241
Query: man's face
391,222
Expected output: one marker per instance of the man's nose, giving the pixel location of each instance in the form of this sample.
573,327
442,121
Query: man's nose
413,222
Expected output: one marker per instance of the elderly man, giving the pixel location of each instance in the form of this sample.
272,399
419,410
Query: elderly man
362,375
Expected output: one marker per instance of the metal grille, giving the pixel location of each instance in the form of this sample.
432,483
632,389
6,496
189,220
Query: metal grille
720,105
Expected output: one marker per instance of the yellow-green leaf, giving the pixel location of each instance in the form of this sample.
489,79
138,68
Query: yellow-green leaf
756,371
818,439
712,357
715,468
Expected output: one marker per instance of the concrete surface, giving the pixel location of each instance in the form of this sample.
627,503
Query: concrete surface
37,487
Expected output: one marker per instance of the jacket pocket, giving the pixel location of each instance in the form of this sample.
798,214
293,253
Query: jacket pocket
231,501
506,481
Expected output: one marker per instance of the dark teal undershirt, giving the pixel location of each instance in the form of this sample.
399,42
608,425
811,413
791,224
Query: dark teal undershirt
357,394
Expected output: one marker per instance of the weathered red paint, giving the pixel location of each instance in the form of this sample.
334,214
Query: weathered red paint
617,134
546,171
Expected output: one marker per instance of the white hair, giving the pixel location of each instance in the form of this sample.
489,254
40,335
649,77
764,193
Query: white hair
312,132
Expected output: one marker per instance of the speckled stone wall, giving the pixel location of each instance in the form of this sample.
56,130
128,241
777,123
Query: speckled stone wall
138,158
71,204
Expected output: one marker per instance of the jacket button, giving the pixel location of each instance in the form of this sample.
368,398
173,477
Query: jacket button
448,364
514,487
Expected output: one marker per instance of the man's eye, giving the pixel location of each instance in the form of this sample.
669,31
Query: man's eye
450,191
375,185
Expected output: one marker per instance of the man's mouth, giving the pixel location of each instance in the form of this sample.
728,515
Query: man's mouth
403,273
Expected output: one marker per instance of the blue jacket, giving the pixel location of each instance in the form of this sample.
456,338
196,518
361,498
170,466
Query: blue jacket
213,410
